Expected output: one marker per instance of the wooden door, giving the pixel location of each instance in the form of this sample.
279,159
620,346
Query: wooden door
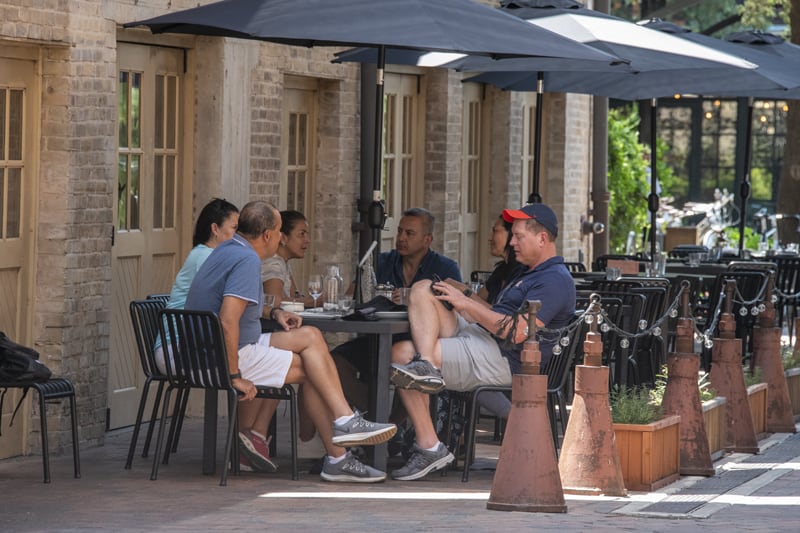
18,177
146,251
470,221
402,127
299,136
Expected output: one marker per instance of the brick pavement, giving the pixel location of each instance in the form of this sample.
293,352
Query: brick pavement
182,499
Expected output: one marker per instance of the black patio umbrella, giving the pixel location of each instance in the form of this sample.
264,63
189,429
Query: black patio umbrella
442,25
642,49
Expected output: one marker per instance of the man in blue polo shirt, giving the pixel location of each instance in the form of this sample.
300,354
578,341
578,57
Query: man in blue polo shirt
229,283
470,345
412,259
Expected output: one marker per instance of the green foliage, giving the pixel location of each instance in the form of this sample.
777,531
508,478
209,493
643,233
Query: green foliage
703,384
759,13
788,357
632,405
670,183
627,177
752,378
751,238
761,183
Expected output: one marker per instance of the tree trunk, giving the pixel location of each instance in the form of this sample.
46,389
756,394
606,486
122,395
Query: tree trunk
789,184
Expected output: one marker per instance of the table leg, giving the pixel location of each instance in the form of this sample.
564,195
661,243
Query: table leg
382,397
210,432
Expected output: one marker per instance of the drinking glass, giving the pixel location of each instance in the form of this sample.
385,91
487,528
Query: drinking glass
345,305
315,287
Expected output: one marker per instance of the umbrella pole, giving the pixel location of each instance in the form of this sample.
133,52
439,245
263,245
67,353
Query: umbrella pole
744,191
652,199
535,197
376,215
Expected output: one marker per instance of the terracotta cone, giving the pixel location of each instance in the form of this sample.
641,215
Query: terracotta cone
589,461
727,378
682,397
527,477
767,354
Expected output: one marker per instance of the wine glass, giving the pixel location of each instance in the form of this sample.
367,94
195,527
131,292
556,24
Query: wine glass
315,287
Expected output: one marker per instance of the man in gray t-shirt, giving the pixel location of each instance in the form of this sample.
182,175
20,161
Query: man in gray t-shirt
229,283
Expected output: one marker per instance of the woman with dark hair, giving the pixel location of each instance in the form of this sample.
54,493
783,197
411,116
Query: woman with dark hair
216,223
276,274
500,246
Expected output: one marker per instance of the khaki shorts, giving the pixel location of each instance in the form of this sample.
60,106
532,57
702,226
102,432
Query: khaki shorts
472,358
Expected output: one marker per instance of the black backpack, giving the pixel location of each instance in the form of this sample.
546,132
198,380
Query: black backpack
19,365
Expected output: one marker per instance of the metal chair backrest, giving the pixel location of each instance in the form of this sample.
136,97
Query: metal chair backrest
683,250
787,279
620,285
198,358
575,266
162,297
144,318
601,262
559,365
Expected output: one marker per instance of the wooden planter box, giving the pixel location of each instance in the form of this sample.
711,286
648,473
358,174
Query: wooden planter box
793,381
757,398
649,454
714,419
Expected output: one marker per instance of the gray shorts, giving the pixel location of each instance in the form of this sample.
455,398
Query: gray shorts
472,358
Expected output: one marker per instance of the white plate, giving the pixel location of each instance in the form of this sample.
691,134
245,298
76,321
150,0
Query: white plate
323,315
391,314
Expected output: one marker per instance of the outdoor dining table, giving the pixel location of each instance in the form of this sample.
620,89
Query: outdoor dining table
380,331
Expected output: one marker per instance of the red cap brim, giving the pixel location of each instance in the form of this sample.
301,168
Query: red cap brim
510,215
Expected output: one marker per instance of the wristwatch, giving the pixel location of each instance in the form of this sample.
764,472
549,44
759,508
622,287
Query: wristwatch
236,375
467,292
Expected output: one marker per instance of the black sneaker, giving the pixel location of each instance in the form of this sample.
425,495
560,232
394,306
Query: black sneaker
423,462
418,375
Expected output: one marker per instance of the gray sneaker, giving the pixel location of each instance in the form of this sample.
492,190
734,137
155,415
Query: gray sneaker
423,462
350,469
359,432
419,375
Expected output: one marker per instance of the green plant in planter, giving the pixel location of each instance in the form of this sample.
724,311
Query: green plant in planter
632,405
752,378
703,384
788,357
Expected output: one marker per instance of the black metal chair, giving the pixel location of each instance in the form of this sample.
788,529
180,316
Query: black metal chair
601,262
144,319
198,360
575,266
52,390
164,297
682,251
749,285
557,370
787,282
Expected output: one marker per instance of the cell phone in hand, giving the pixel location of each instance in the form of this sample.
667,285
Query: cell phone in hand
437,279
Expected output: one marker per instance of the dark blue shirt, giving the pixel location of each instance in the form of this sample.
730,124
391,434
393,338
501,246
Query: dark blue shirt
551,283
390,268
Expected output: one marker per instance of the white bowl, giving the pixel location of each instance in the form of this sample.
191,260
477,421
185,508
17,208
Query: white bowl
294,307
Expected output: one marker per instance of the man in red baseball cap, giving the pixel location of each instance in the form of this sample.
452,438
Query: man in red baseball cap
472,344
